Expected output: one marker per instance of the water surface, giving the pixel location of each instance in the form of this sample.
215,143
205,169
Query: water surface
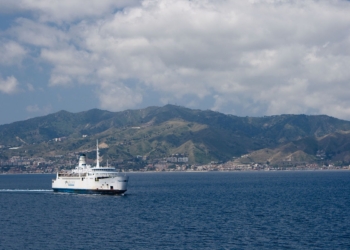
213,210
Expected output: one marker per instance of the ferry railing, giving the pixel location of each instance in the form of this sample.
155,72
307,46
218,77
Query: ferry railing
71,174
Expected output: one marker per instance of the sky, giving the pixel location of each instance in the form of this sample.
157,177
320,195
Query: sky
246,58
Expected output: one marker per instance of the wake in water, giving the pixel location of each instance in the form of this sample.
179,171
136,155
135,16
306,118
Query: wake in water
25,190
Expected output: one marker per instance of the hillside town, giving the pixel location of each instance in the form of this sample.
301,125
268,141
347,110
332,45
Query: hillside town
173,163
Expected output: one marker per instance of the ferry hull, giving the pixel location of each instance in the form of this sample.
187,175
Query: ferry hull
89,191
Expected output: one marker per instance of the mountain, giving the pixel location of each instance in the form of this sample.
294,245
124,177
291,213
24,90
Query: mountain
157,132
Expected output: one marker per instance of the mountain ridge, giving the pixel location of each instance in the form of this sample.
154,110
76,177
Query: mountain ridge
157,132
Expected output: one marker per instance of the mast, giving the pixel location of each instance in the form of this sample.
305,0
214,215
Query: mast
97,156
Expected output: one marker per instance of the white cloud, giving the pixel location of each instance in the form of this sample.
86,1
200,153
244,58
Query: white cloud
253,57
35,108
290,97
30,87
38,34
65,10
70,64
11,53
9,85
118,97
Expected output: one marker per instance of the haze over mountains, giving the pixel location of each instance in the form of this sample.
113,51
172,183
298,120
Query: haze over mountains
203,136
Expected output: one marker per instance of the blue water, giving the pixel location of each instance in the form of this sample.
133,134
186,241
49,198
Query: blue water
235,210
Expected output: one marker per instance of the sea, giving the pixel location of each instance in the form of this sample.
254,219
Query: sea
182,210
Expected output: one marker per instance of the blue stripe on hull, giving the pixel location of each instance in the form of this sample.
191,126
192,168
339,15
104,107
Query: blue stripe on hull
88,191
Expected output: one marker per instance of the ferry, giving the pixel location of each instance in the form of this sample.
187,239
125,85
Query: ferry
86,179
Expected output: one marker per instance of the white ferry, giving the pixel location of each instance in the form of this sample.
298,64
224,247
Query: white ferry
90,180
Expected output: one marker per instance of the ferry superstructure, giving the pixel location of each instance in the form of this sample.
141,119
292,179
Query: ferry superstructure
90,180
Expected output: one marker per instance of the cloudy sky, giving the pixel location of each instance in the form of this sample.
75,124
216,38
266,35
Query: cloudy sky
247,58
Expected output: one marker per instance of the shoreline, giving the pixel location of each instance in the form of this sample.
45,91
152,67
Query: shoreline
206,171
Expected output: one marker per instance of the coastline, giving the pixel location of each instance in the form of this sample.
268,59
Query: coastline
207,171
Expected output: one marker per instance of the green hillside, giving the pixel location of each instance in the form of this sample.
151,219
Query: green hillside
157,132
